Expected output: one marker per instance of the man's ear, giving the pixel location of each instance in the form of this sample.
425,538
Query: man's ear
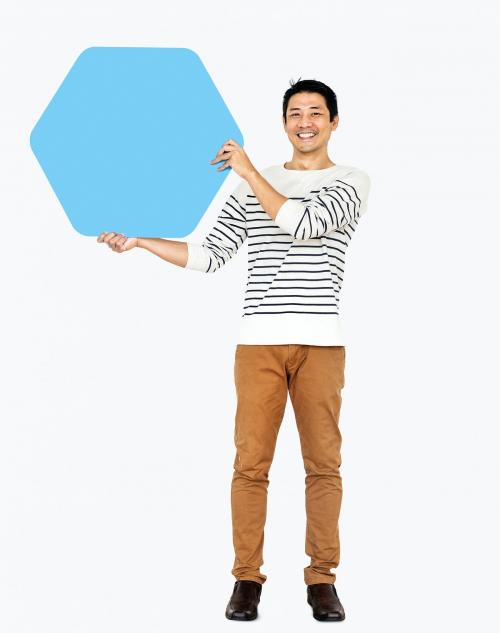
335,122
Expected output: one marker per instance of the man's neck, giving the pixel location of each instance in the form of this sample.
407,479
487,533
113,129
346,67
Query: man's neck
304,164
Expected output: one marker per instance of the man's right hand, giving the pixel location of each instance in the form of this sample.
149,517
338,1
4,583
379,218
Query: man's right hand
118,242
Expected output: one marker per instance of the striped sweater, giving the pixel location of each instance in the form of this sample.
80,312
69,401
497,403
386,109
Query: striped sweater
296,261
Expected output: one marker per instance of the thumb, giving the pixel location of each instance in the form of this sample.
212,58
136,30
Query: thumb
129,243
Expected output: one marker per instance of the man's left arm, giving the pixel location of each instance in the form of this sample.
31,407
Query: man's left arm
234,156
335,206
270,200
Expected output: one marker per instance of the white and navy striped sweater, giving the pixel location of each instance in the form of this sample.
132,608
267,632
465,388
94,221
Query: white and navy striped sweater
296,261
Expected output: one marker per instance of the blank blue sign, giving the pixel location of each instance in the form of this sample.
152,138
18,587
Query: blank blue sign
126,141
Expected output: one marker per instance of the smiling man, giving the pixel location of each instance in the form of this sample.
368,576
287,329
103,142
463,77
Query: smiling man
299,218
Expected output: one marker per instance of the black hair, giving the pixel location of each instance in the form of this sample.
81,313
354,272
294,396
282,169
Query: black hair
311,85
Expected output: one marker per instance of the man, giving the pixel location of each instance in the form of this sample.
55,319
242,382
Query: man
299,218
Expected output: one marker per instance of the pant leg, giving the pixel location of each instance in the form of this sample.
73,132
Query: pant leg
316,381
261,387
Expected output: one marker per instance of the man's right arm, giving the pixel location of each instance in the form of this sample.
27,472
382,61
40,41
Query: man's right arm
171,251
226,236
221,243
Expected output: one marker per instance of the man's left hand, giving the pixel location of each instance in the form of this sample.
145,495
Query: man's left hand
234,156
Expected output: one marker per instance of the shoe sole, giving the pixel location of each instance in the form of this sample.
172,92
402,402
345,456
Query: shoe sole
242,618
327,618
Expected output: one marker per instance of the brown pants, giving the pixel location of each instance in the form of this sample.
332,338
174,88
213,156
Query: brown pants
314,377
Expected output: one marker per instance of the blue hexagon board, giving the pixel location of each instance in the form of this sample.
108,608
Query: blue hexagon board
126,141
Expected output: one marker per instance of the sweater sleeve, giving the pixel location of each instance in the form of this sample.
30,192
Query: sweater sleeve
336,205
225,238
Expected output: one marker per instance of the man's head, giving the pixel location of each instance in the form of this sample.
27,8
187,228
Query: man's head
309,106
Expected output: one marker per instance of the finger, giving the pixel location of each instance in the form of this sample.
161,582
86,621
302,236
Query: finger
228,146
116,239
220,156
233,145
121,243
225,166
109,236
119,240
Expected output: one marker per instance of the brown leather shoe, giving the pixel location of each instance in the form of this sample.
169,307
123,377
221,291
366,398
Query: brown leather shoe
324,601
244,601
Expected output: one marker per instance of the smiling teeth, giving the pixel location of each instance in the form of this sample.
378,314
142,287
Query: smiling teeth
306,135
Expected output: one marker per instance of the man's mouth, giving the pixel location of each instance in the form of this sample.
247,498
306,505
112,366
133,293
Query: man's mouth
305,136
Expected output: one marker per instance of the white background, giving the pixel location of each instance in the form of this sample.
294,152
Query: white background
117,386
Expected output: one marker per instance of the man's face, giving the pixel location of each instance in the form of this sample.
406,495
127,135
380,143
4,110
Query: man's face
308,114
